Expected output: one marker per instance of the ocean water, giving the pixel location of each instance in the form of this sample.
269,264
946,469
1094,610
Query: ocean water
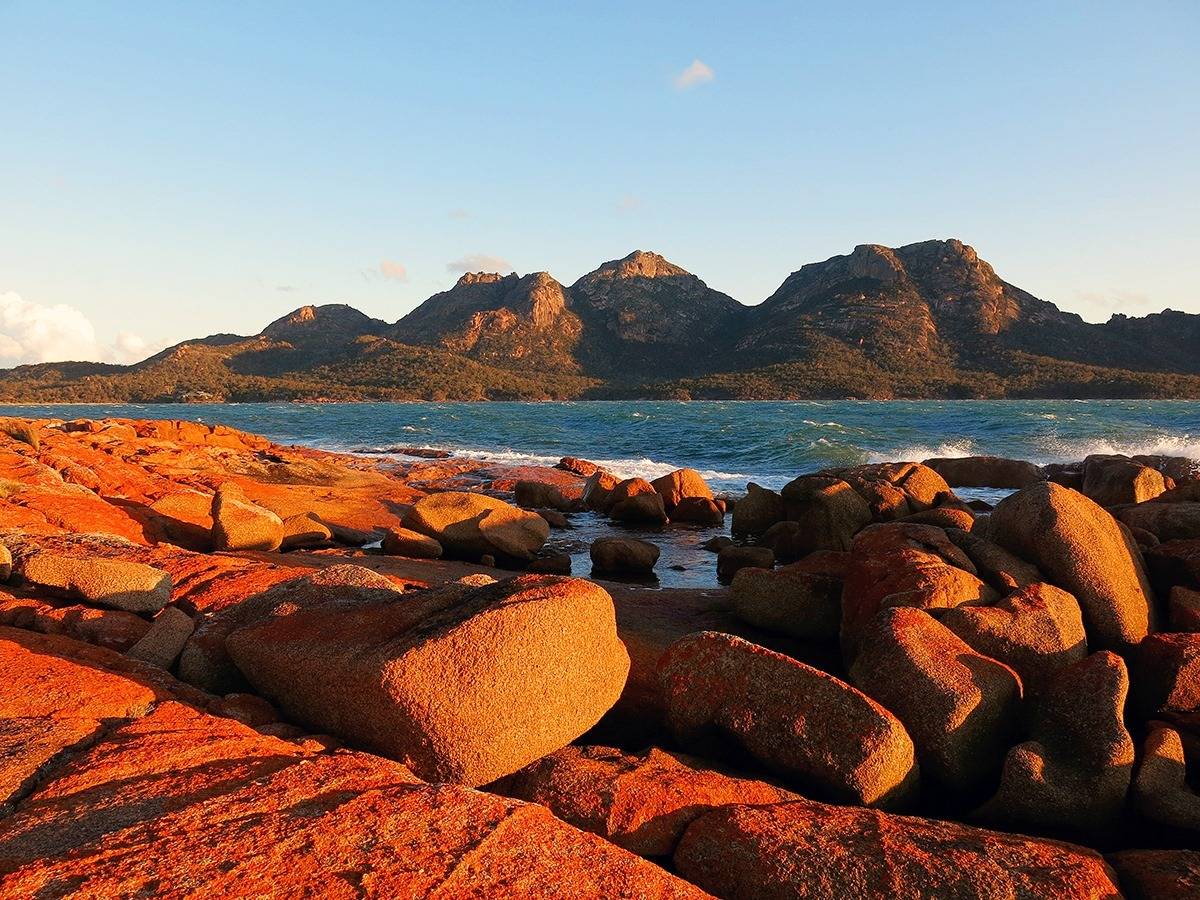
730,443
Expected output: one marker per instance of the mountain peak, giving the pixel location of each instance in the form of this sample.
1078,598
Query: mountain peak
640,264
480,278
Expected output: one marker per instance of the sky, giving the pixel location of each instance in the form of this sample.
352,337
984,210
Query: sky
170,170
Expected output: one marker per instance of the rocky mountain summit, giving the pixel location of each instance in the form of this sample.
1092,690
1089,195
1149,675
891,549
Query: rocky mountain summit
930,319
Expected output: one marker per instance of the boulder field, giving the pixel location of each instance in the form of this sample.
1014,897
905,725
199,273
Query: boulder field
235,669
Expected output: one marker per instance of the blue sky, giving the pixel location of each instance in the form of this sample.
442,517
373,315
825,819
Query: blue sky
173,169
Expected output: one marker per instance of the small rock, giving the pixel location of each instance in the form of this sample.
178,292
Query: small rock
249,709
540,495
646,509
698,511
163,643
304,530
624,555
717,544
556,564
116,583
239,524
1185,609
1165,673
732,559
399,541
1160,790
554,518
757,511
488,560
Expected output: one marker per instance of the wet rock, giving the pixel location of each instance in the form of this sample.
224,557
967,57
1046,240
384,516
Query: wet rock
698,511
1165,673
239,524
1035,631
960,708
554,564
806,849
471,525
554,518
1160,790
116,583
411,544
644,509
1081,549
624,556
680,485
732,559
640,802
460,687
986,471
788,601
828,510
757,511
1075,770
717,544
801,723
163,643
541,495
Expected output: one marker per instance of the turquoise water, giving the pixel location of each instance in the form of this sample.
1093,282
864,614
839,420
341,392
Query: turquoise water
729,442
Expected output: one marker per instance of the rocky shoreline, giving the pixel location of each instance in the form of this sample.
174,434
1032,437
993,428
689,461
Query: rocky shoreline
240,669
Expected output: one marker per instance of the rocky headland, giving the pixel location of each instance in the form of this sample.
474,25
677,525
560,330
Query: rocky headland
234,668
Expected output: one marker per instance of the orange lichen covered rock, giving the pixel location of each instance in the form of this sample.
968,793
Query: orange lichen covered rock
904,564
471,525
960,707
239,524
812,729
806,849
1081,549
640,802
1075,770
1035,630
460,686
1158,874
680,485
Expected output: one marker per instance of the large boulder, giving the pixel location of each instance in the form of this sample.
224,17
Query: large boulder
896,489
788,601
1114,480
799,722
828,510
961,708
757,511
541,495
473,525
902,564
1165,674
677,486
239,524
1035,631
1166,521
641,509
1075,770
624,556
1158,874
641,802
165,639
597,490
304,530
812,850
205,661
986,472
699,511
1081,549
117,583
1160,789
462,687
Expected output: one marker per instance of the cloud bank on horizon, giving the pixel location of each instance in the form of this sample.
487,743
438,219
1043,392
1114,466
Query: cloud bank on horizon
479,262
32,332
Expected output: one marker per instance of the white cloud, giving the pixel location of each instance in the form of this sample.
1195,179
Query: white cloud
697,73
32,333
389,268
628,203
479,262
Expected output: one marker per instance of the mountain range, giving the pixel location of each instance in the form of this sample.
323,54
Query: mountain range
928,320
